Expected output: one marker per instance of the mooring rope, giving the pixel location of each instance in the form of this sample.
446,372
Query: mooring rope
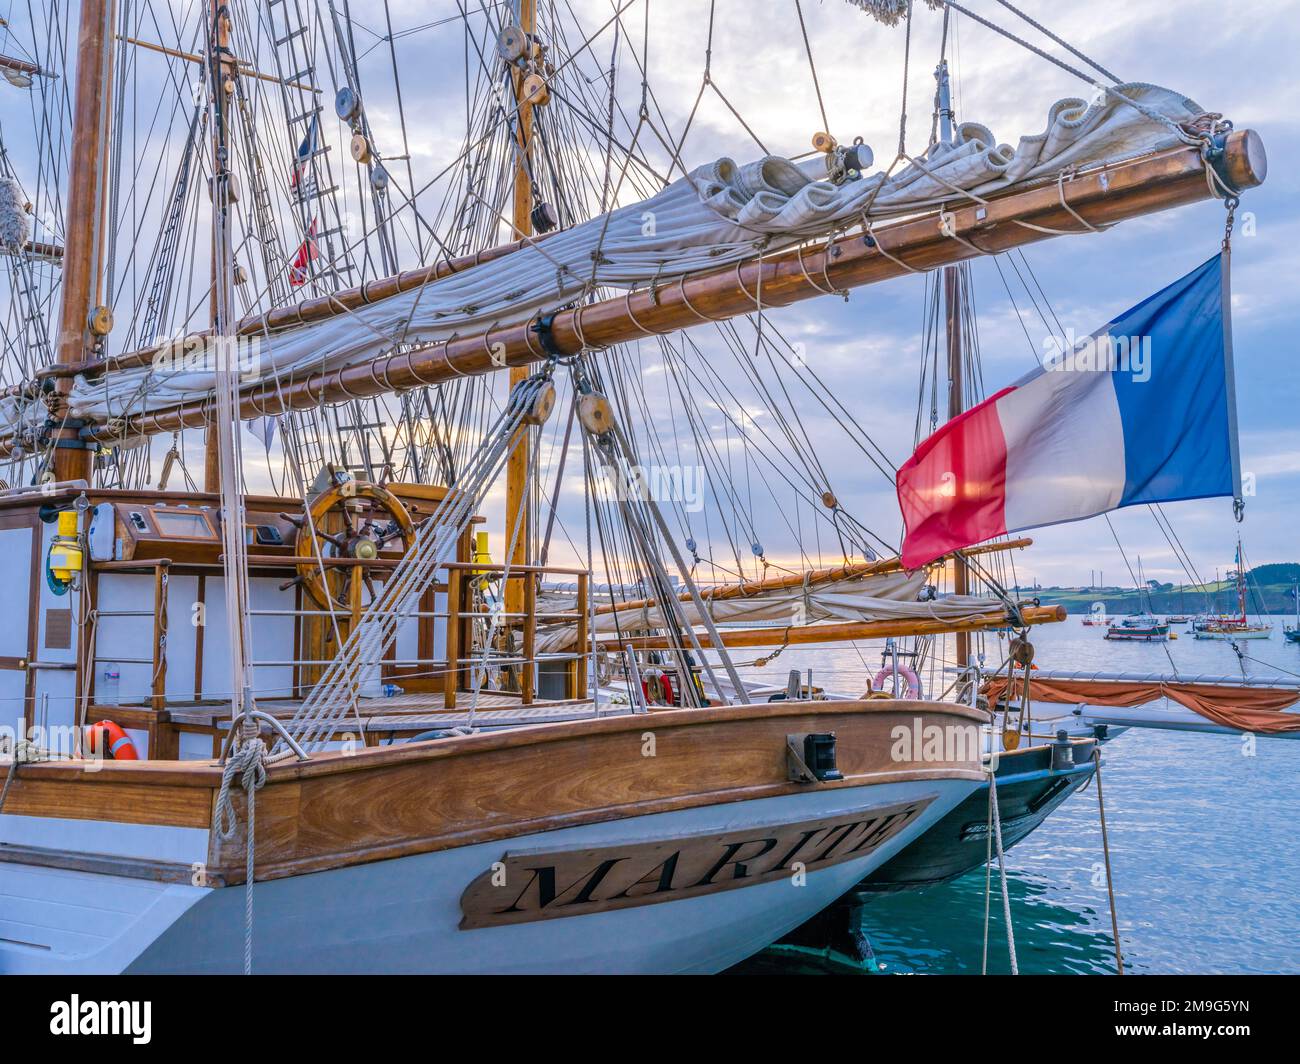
1002,871
1110,884
24,750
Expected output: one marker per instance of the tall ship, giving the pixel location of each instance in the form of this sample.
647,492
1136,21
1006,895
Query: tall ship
283,347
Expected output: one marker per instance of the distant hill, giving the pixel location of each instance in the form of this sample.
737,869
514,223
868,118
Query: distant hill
1269,592
1276,573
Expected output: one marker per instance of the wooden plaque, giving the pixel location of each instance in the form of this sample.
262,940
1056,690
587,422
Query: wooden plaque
58,629
532,885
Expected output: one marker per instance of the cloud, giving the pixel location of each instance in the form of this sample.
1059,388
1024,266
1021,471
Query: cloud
867,352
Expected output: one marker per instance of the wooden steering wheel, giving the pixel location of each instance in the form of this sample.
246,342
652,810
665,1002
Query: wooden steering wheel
354,520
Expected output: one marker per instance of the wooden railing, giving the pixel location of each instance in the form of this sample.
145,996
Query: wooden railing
461,615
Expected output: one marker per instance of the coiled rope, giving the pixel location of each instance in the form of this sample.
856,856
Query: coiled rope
247,760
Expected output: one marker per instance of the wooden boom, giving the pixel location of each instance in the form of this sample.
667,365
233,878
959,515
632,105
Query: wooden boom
1102,196
843,631
813,578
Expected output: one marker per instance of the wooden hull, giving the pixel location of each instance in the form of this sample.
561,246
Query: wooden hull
1155,634
1233,636
606,834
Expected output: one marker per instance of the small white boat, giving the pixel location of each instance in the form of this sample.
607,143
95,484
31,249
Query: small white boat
1097,616
1142,628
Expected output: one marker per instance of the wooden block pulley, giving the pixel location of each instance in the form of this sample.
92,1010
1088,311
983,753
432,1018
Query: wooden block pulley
100,321
535,91
824,142
360,148
543,404
512,42
347,104
596,413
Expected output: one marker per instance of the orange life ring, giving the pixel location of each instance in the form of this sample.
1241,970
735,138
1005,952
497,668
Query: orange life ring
115,742
657,688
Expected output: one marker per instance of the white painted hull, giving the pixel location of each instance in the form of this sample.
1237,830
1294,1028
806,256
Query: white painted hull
402,915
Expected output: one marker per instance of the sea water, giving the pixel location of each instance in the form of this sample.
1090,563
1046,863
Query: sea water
1202,838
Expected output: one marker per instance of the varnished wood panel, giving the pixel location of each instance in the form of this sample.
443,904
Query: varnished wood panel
378,803
394,801
90,798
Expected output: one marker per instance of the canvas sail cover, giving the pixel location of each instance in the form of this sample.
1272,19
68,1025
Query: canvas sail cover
1251,709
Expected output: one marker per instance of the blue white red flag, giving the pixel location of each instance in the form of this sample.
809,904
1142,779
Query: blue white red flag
1142,411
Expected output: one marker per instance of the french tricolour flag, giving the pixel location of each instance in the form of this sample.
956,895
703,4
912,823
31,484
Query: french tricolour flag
1141,412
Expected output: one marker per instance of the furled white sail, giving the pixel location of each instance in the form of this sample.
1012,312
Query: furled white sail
719,213
881,597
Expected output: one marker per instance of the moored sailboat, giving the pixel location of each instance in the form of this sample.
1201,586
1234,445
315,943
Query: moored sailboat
1142,628
421,806
1229,627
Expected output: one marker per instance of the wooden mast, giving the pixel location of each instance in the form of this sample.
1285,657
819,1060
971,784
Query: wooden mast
954,297
517,532
83,320
221,69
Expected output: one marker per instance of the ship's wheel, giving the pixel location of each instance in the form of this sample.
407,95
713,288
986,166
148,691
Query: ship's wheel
353,520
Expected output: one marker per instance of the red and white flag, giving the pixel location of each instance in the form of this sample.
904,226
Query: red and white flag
300,267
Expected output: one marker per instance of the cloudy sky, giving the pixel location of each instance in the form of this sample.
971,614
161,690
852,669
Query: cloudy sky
1236,59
